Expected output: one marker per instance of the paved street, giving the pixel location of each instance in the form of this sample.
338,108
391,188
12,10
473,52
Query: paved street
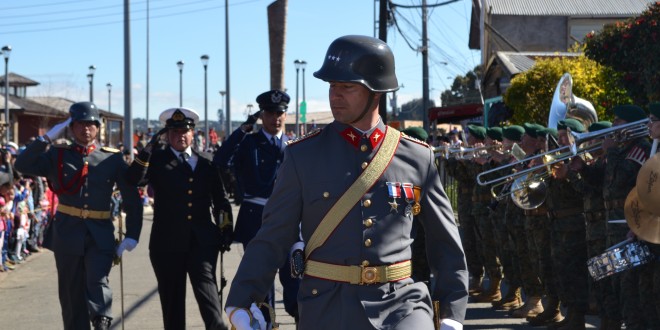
28,295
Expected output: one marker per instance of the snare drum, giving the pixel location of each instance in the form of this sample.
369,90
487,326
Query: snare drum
620,257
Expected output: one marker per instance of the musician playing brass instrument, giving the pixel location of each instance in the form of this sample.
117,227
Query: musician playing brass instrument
623,161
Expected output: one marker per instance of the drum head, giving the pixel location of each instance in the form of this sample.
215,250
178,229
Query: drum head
648,185
642,222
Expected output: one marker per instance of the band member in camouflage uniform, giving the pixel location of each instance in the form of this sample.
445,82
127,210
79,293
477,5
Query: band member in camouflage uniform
481,203
623,159
81,236
594,215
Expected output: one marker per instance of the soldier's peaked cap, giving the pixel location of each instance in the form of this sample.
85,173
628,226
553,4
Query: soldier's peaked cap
179,118
274,100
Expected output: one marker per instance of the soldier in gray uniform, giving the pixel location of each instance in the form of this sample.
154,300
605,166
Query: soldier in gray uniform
82,234
357,215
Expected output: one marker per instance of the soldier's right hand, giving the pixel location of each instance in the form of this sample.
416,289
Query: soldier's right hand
154,140
58,129
248,125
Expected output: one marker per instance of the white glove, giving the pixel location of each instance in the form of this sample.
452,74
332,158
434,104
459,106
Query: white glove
449,324
57,130
240,319
127,244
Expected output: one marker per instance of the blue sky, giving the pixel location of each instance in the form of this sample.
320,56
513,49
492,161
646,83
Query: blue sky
55,41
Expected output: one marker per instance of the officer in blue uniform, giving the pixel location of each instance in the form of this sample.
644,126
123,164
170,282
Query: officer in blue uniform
184,241
82,234
256,158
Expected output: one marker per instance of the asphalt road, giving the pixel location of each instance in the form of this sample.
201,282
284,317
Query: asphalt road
28,295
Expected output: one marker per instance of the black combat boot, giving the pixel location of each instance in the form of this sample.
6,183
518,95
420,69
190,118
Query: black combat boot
101,323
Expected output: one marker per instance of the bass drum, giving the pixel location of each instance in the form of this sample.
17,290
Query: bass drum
618,258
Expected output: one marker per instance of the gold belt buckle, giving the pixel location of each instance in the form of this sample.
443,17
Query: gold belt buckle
368,275
84,213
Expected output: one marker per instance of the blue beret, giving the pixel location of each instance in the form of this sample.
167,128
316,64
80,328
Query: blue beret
599,125
513,133
628,112
274,100
574,124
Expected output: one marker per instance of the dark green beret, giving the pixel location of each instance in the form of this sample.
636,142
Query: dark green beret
494,133
629,112
574,124
513,133
478,132
548,131
654,109
597,126
416,132
532,129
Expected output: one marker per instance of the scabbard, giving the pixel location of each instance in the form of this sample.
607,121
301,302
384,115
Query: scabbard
436,314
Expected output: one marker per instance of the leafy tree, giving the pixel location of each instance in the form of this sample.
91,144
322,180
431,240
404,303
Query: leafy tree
530,93
631,47
463,89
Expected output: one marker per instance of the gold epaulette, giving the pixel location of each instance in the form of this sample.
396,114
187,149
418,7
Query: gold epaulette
418,141
141,162
108,149
304,137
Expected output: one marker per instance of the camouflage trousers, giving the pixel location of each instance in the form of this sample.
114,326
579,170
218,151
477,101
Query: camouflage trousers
538,240
530,279
569,255
468,231
505,247
487,240
596,230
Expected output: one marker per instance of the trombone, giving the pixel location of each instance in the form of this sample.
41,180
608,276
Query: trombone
621,133
461,152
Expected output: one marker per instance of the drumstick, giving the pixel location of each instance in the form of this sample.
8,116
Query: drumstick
654,147
618,221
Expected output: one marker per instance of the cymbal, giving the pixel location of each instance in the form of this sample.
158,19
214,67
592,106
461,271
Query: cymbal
643,223
648,184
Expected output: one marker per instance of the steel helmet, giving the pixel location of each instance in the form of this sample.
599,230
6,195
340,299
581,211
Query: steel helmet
360,59
85,111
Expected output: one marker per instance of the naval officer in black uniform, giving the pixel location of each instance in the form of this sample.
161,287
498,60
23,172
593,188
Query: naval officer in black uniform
357,216
82,234
185,240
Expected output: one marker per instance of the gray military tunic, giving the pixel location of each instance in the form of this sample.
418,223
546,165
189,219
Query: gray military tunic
83,247
316,172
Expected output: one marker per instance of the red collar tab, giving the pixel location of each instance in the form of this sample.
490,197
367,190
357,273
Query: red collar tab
84,150
376,138
351,136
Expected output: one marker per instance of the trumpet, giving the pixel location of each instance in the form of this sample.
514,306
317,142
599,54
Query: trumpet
621,133
461,152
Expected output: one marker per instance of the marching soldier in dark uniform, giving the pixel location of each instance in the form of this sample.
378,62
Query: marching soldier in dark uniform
188,196
82,234
357,218
256,158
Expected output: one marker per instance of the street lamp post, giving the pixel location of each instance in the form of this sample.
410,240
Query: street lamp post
303,64
298,64
205,62
109,85
6,50
180,66
227,124
90,77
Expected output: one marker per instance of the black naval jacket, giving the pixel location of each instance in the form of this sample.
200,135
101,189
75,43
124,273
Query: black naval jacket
182,199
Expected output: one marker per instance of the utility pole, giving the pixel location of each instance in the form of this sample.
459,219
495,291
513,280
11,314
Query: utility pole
382,35
425,67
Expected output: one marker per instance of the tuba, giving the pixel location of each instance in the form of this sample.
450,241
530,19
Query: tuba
566,105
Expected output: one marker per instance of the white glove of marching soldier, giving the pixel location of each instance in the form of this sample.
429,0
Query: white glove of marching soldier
241,319
127,244
57,130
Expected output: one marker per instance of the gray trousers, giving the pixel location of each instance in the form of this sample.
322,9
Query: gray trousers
83,281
